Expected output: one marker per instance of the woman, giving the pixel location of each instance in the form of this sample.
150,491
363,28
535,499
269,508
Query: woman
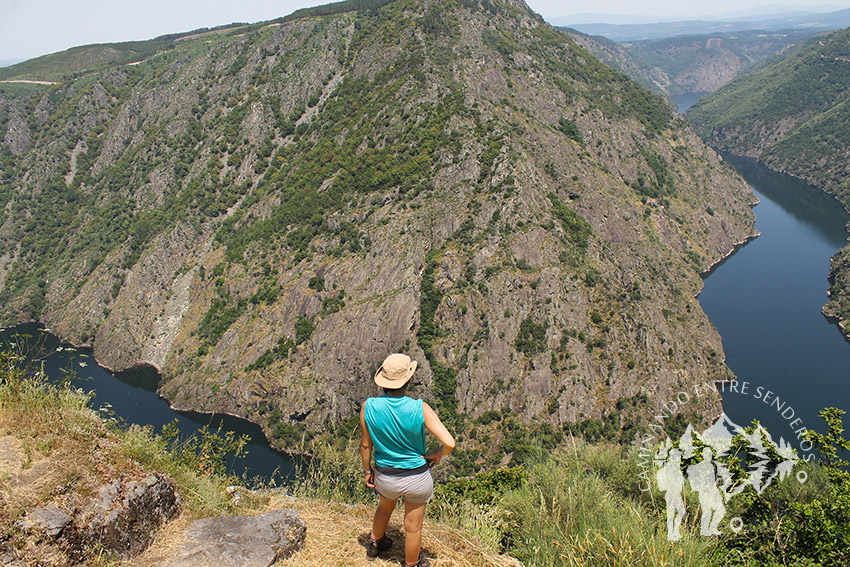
394,425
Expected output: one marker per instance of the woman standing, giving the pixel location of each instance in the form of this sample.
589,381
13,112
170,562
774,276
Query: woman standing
394,426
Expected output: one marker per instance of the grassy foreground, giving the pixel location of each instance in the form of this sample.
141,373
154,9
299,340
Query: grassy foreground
580,506
52,445
583,506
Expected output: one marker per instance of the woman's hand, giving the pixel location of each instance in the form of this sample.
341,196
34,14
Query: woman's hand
370,479
433,458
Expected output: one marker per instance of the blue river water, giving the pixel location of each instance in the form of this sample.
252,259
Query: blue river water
766,300
131,397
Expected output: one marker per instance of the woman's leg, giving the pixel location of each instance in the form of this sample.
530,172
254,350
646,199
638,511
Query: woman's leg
382,516
414,514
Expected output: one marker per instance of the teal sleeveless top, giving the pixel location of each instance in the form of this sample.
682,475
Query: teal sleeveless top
397,428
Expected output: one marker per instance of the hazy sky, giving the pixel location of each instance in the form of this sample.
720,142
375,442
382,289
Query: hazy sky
29,28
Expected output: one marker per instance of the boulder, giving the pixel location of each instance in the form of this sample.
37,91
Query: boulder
49,519
125,515
241,541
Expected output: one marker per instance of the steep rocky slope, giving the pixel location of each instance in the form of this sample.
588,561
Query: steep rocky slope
264,212
690,63
704,63
617,56
793,116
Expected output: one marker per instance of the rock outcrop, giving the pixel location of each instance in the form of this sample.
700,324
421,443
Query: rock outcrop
125,514
120,520
241,541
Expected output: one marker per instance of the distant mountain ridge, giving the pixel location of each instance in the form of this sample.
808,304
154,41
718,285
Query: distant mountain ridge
690,64
660,30
704,63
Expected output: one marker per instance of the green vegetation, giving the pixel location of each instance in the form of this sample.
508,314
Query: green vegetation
577,229
569,128
332,304
304,328
586,505
405,160
445,378
661,184
838,306
280,351
793,523
316,283
76,61
791,113
290,436
336,8
223,312
531,338
621,424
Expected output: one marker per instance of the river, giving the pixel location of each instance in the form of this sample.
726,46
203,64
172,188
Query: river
766,299
131,397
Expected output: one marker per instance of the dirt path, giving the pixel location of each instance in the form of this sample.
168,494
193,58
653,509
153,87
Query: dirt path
336,537
28,82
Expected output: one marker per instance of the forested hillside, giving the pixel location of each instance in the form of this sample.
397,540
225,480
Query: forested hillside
264,212
704,63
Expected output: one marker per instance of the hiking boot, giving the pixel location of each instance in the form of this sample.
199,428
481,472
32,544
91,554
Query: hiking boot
423,562
376,547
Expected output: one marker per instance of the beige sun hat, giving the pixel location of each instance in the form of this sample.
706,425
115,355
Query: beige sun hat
395,371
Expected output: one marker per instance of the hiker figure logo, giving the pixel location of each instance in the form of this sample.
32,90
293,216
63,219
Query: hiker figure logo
707,461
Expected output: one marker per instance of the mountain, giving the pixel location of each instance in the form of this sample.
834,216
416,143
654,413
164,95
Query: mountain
660,30
793,116
689,64
264,212
704,63
617,56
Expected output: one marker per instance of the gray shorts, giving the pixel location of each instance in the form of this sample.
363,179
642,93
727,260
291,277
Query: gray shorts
415,488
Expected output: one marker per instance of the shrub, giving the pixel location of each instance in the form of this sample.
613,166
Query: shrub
569,128
304,328
531,338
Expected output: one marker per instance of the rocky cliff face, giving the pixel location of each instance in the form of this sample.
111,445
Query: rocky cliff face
264,213
696,63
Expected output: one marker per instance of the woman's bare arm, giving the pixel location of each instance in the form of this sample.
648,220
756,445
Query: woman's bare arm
436,427
366,448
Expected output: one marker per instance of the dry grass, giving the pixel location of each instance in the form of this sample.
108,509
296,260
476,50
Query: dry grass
165,544
337,535
46,454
